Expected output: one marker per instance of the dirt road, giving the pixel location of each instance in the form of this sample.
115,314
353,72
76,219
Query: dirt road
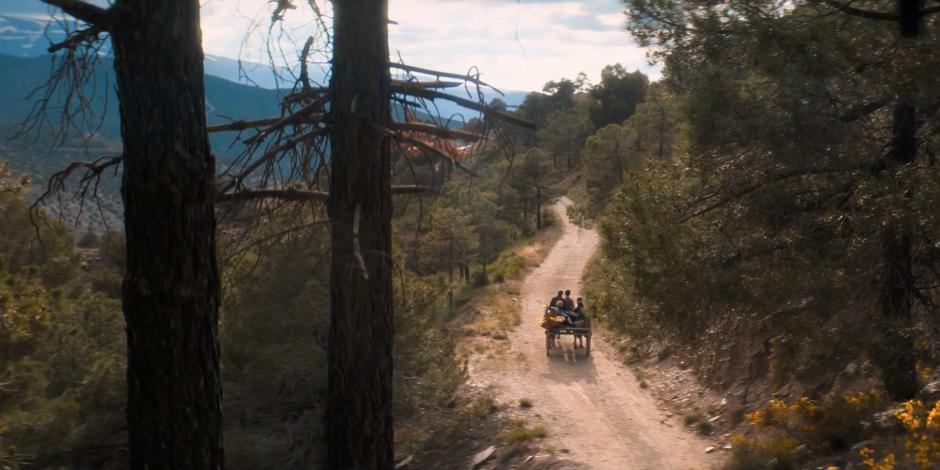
593,407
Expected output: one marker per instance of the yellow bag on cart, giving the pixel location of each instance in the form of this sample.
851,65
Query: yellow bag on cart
552,321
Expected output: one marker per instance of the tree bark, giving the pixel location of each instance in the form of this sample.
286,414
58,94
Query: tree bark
170,294
896,297
359,395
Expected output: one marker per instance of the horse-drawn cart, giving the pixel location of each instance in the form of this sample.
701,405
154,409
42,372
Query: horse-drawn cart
580,330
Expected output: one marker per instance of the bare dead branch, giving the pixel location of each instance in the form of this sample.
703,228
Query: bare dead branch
91,14
305,195
487,111
281,9
272,153
285,194
304,78
431,150
312,92
436,131
75,39
71,91
93,170
436,84
295,118
850,10
436,73
243,124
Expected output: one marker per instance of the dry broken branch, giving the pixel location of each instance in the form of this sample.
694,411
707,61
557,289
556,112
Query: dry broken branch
93,170
285,194
297,117
436,84
431,150
304,95
91,14
272,153
437,73
850,10
438,131
304,195
73,40
487,111
243,124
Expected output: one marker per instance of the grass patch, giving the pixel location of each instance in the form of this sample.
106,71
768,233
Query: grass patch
525,403
483,407
465,294
509,266
523,433
494,318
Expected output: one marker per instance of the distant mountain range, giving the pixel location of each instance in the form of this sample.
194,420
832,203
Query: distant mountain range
28,34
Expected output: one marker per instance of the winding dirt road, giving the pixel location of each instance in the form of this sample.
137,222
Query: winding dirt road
593,407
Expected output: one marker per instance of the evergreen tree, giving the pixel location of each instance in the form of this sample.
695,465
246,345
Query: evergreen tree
617,95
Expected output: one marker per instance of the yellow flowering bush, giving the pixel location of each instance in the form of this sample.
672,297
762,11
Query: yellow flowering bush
921,439
783,428
868,459
758,452
813,423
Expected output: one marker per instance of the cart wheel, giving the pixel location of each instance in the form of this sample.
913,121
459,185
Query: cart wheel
587,350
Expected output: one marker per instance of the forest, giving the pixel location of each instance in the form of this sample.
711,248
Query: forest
340,273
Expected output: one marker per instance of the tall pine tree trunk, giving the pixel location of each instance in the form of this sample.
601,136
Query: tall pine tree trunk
897,359
171,289
359,396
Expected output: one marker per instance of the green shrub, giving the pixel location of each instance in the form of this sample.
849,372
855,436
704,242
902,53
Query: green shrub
522,433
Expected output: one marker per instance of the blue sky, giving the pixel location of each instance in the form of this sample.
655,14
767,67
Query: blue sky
516,45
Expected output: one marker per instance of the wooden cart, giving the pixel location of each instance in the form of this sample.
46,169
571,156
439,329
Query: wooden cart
553,336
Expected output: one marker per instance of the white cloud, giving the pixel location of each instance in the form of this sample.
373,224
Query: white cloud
515,44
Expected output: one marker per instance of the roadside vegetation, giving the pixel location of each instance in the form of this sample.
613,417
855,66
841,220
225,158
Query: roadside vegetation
770,221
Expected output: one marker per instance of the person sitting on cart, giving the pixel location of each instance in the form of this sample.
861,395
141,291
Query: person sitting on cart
560,296
569,302
578,315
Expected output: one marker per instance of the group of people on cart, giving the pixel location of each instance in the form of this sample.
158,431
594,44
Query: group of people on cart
571,309
565,312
